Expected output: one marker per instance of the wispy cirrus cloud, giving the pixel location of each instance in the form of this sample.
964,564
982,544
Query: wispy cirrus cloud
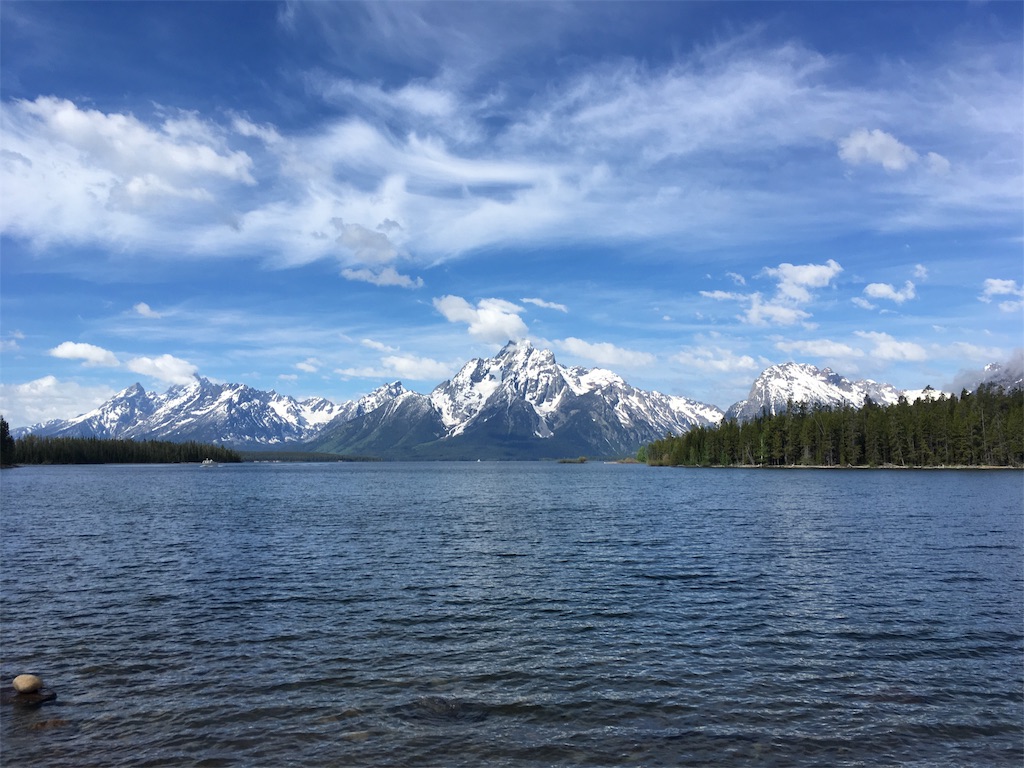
428,155
716,359
546,304
405,367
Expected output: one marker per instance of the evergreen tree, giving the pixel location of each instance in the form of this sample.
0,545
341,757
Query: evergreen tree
6,443
983,427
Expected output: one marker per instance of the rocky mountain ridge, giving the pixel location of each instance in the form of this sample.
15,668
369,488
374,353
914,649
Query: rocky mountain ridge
518,404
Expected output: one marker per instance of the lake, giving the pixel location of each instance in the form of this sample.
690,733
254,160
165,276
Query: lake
513,614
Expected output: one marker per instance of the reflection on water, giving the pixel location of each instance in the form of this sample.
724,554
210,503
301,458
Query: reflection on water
513,614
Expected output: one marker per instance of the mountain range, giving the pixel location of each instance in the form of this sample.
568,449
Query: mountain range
519,404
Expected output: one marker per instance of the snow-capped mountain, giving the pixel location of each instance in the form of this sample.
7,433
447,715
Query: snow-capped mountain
1008,375
201,410
522,404
519,404
801,383
521,372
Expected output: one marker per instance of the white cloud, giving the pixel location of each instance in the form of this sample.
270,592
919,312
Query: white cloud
724,295
793,290
862,303
366,245
48,398
90,354
887,348
112,178
143,309
715,360
736,278
416,368
604,353
795,279
165,368
920,271
997,287
265,133
963,350
937,164
819,348
546,304
763,312
494,320
408,367
309,365
876,146
887,291
379,346
385,277
288,377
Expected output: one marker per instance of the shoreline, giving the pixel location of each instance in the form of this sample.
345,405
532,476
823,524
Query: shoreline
986,467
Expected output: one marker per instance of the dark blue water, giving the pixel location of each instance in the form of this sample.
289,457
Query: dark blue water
513,615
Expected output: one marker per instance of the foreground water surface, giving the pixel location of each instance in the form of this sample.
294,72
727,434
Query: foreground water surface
526,614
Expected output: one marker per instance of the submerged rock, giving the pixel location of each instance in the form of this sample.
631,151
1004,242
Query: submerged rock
438,709
40,697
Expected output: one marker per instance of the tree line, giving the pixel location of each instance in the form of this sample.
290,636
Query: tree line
32,449
981,428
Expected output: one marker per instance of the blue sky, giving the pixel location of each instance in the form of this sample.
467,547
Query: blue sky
319,198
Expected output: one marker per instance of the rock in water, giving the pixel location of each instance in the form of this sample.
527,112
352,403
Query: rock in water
27,683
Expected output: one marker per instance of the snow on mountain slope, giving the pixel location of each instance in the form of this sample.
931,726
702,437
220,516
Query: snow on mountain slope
522,373
801,383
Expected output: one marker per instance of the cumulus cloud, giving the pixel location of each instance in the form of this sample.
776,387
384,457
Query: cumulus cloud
715,360
165,368
493,320
794,285
546,304
763,312
996,287
309,365
885,347
888,292
93,176
881,148
47,398
920,271
795,280
876,146
143,309
89,354
862,303
604,353
388,276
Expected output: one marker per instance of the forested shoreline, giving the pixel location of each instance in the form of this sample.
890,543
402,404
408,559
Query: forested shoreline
32,449
981,428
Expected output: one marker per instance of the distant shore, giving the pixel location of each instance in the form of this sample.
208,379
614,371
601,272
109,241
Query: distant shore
840,466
